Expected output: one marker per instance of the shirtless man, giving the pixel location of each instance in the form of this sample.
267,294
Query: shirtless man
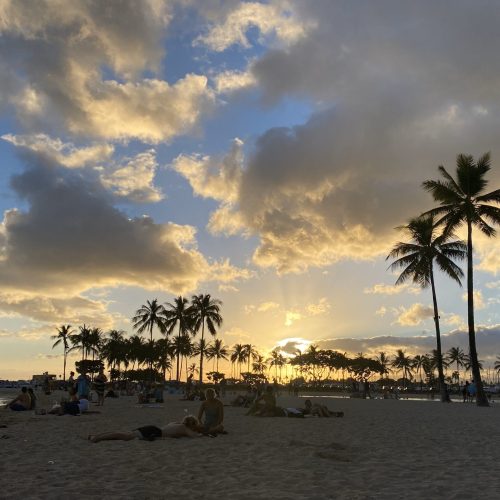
187,428
213,409
21,402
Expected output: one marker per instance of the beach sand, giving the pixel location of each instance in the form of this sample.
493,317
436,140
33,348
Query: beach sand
381,449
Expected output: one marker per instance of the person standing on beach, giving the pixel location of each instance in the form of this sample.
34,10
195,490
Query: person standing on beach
100,386
465,391
83,386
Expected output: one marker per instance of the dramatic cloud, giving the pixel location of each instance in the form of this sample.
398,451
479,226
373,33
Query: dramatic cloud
388,113
232,81
71,239
59,52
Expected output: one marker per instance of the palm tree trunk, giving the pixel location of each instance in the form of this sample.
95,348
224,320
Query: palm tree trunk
64,369
481,399
442,387
202,345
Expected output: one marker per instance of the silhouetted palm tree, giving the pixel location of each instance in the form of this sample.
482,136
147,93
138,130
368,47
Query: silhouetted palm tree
385,362
417,261
217,350
462,202
63,337
148,316
205,310
419,362
83,341
456,355
403,363
178,313
238,355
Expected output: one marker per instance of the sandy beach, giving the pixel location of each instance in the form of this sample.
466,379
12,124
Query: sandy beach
380,449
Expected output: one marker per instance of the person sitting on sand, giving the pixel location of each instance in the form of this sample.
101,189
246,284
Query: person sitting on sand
75,406
213,410
22,402
187,428
318,410
265,405
32,399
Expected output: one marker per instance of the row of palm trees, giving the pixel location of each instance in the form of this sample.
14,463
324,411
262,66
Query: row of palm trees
190,318
461,202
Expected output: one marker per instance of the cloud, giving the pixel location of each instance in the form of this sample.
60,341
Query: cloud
63,153
57,53
74,310
291,317
275,18
218,178
414,315
267,306
488,343
383,289
381,311
232,81
386,114
127,178
322,307
478,299
70,238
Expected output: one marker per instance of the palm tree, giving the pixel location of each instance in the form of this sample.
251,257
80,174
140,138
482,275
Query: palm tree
456,355
385,362
182,347
419,361
82,340
63,337
496,367
259,365
205,310
462,202
403,363
178,314
146,318
238,355
217,351
250,354
417,261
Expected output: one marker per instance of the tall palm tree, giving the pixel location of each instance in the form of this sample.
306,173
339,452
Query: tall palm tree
148,316
182,347
250,354
403,363
178,313
238,355
205,310
496,367
463,201
417,261
456,355
64,333
217,350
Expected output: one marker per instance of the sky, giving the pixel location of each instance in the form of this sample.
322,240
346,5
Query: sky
261,152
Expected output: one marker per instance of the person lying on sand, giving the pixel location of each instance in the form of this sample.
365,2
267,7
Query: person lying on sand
187,428
213,411
318,410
